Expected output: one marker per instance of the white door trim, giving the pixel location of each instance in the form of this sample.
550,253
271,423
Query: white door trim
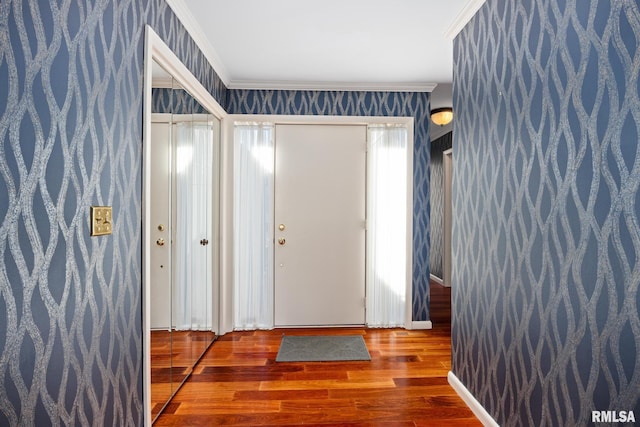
226,322
447,167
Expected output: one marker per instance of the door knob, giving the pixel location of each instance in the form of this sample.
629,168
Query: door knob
281,241
204,242
160,242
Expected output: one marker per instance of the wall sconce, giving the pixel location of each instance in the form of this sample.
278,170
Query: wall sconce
442,116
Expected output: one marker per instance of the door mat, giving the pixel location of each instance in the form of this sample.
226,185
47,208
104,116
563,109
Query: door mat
322,348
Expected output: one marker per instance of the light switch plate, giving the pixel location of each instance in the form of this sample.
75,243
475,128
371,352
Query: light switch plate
101,220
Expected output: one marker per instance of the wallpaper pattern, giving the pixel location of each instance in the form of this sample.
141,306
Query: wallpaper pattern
339,103
70,137
177,101
436,197
546,209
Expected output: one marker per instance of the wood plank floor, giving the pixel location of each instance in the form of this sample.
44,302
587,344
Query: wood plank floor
238,382
173,355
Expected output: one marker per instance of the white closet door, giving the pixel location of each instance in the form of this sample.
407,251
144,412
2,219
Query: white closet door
320,188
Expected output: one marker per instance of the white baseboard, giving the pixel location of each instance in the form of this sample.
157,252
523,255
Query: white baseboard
471,401
421,324
436,279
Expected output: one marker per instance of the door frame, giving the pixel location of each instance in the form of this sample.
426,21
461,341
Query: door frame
156,50
226,291
447,167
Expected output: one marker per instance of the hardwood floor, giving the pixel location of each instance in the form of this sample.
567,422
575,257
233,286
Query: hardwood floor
173,354
238,382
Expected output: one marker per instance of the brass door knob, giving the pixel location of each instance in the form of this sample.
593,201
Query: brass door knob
281,241
160,242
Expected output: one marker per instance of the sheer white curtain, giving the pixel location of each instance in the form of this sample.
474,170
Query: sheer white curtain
192,283
387,221
253,226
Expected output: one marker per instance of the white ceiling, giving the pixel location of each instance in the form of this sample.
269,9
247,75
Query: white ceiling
397,45
328,44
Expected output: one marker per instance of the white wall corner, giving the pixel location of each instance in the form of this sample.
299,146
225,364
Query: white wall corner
421,324
463,18
471,401
197,34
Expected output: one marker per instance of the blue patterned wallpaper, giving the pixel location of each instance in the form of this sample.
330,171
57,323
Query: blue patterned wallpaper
546,233
340,103
70,136
177,101
436,199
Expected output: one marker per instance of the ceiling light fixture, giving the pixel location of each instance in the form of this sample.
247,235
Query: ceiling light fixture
442,116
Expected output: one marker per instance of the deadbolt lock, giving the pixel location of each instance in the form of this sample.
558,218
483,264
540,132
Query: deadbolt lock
161,227
281,227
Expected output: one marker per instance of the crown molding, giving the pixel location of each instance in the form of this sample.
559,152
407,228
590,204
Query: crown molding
195,31
332,86
162,82
165,83
463,18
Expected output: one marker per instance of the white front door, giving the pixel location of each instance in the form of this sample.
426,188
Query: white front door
160,253
320,187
